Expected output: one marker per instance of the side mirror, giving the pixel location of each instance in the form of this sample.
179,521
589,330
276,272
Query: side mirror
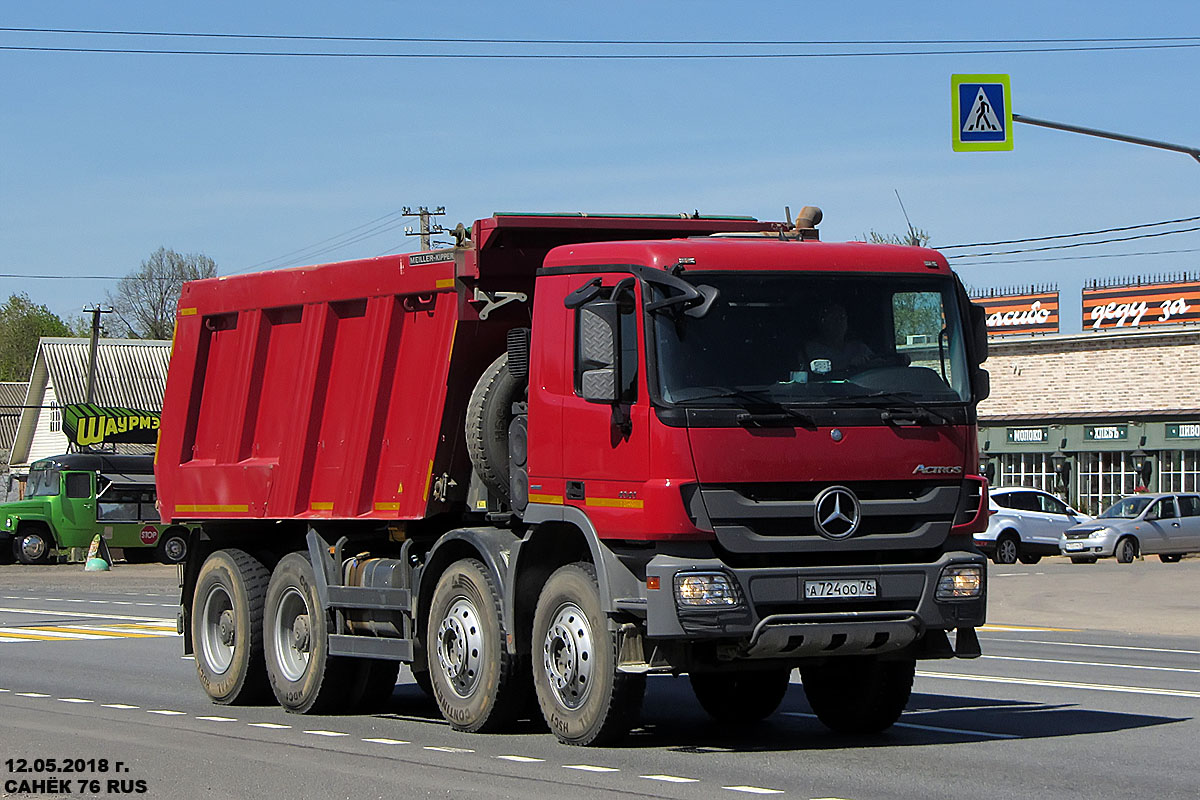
597,362
979,333
981,384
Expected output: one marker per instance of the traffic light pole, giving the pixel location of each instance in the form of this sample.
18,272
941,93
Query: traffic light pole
1120,137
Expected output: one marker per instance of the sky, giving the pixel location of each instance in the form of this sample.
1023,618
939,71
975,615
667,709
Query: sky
261,161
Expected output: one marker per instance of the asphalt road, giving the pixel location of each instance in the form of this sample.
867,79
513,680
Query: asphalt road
1089,688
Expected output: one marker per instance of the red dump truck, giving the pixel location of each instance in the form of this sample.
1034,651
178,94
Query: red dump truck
572,451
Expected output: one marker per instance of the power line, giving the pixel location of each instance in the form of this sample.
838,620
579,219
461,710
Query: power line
1070,235
306,252
627,42
958,263
588,56
1081,244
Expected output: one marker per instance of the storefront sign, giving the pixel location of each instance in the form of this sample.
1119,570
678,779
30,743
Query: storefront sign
1138,306
1029,312
1027,435
1183,430
1106,433
86,424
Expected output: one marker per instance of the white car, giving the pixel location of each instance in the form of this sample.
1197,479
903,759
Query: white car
1025,525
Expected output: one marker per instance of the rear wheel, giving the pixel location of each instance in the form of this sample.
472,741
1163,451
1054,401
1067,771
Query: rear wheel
33,544
304,677
374,683
860,694
1008,547
172,546
473,676
1126,550
741,697
1029,558
227,619
1083,559
583,698
1170,558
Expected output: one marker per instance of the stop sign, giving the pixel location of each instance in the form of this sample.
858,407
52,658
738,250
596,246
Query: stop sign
149,534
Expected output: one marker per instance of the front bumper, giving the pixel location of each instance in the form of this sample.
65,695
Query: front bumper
1093,546
774,619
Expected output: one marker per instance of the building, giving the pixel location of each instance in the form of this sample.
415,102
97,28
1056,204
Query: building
1094,416
12,401
130,373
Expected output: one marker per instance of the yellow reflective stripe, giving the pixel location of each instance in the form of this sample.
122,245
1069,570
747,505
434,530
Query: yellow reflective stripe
613,502
387,506
428,481
553,499
321,506
203,508
187,312
444,283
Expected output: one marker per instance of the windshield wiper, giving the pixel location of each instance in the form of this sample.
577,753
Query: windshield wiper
760,410
914,410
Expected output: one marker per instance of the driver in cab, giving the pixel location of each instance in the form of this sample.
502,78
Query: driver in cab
831,350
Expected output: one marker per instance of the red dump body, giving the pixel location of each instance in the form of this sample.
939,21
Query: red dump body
337,391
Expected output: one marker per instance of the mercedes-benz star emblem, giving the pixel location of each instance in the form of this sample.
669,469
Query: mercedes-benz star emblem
836,513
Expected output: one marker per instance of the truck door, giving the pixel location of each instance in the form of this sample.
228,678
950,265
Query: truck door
605,447
78,520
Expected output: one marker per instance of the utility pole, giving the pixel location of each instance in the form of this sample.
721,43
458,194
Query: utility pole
95,311
427,230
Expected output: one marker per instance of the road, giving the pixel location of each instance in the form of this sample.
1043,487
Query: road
1089,688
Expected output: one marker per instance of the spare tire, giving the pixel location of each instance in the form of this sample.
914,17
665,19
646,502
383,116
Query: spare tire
489,413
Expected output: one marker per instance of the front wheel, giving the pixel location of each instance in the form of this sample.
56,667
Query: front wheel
33,544
474,678
583,698
1126,550
304,677
227,618
741,697
859,695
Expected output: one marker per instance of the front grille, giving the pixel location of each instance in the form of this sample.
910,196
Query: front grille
776,517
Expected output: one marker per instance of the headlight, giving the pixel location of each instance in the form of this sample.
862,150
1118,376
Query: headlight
705,589
960,582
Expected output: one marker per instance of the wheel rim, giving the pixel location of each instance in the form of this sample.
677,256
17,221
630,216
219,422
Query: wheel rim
1008,551
33,546
293,634
175,548
1126,553
568,656
218,631
460,647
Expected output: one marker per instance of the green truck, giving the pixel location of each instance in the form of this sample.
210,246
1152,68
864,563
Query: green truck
71,498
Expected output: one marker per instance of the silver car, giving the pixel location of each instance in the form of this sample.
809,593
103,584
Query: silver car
1166,524
1025,525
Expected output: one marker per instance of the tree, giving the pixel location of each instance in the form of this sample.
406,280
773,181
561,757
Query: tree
913,237
915,312
22,324
146,298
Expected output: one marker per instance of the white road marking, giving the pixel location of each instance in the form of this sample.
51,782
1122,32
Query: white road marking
187,658
386,741
4,690
590,768
1092,664
327,733
1097,687
119,705
273,726
668,778
217,719
74,700
1102,646
31,694
521,759
449,749
933,728
86,615
167,712
753,789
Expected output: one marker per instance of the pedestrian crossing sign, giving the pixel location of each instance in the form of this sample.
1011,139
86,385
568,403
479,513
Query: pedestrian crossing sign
982,112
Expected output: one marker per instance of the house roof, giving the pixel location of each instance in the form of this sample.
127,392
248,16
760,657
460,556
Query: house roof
130,373
12,398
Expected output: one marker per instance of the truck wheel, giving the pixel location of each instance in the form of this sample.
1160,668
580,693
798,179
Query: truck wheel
473,676
1127,550
1008,547
373,685
303,675
32,544
741,697
584,699
859,695
227,615
172,546
489,414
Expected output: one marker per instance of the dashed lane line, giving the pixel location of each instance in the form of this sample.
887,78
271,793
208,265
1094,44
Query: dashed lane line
74,700
217,719
440,749
326,733
522,759
590,768
269,726
381,740
120,706
166,712
669,778
753,789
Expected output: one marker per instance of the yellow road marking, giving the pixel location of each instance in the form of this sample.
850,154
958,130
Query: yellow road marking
1027,628
94,632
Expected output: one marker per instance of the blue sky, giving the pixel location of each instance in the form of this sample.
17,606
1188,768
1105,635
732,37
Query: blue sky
106,157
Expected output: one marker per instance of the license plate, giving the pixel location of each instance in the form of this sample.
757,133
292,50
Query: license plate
859,587
1072,546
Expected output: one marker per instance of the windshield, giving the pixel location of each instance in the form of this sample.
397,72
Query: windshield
42,483
1129,508
813,338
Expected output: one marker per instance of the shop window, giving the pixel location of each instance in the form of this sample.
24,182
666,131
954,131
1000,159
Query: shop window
1034,470
1104,478
1179,470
